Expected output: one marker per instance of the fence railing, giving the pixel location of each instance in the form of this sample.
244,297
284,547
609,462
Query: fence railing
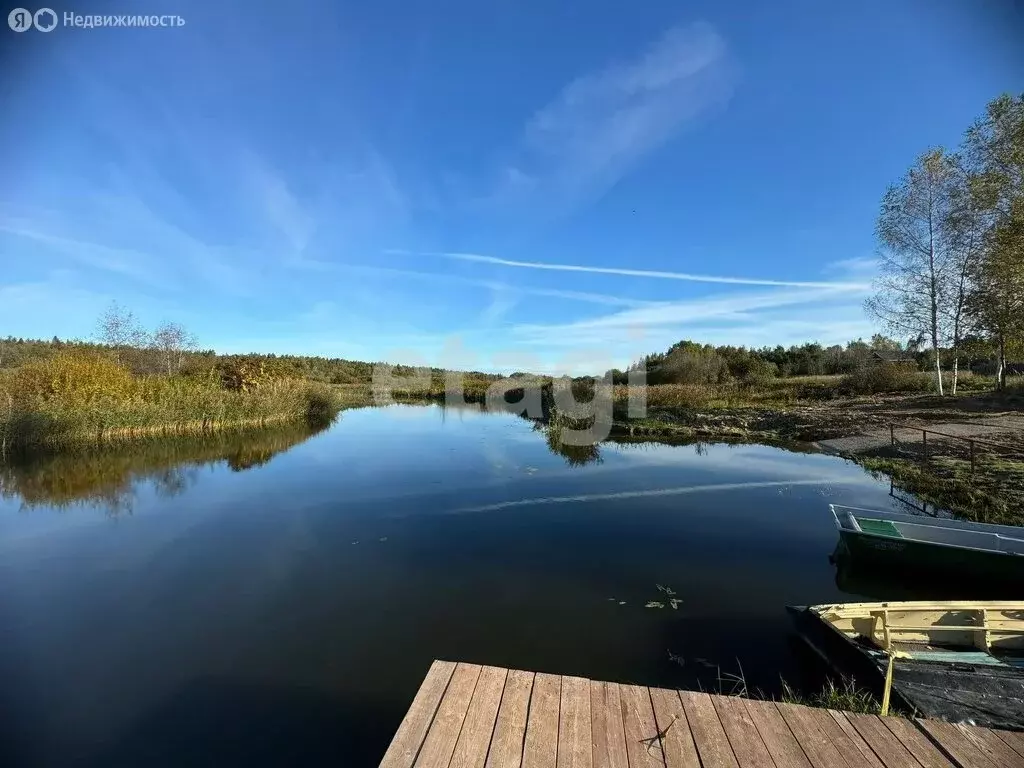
974,444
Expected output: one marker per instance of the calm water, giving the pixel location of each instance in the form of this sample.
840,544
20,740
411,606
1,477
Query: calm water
277,601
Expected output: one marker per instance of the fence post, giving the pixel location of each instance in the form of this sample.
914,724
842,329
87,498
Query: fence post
892,435
924,445
971,443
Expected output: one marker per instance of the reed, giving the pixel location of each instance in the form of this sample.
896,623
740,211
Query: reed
77,398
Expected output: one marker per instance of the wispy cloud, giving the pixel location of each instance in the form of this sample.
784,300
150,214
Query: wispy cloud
57,302
128,263
603,123
629,272
741,307
281,207
503,301
859,268
493,285
837,479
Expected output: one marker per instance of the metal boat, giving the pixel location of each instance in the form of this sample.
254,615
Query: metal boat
961,661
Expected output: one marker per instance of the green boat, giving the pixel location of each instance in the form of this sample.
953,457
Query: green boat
971,551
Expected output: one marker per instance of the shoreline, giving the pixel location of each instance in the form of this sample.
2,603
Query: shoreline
982,484
857,429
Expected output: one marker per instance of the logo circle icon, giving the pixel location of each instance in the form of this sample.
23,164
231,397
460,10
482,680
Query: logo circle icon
45,19
20,20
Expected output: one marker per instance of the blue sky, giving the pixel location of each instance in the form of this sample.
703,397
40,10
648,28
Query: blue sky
516,184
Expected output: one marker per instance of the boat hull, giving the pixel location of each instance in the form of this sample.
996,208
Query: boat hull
962,688
917,556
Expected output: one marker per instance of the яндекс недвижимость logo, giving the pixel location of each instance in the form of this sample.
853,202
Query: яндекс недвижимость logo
22,19
46,20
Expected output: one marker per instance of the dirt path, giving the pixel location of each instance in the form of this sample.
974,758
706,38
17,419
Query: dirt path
1001,429
974,468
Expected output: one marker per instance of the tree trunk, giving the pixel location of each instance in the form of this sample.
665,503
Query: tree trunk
956,369
935,342
1001,372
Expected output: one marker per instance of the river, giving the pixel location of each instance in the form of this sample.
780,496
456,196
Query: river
276,600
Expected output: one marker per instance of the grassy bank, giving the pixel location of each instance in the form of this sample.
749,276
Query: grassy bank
74,399
993,493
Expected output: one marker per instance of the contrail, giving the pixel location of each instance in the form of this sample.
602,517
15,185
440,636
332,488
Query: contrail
655,492
631,272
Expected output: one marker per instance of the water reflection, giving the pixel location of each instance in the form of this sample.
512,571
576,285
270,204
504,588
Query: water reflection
256,610
861,580
109,478
582,455
574,455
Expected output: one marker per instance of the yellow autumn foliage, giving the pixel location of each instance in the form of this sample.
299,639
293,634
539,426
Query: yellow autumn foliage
81,396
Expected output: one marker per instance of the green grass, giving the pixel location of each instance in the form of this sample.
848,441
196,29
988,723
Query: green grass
994,493
847,696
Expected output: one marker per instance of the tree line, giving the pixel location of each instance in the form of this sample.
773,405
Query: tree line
690,362
951,245
171,350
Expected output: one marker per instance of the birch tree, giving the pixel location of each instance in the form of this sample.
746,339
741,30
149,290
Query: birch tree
914,255
170,342
964,232
118,329
997,300
994,147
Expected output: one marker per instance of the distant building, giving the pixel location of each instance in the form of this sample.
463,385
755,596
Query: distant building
991,367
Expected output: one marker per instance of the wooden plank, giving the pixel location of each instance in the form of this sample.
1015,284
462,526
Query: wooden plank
475,738
510,727
1014,739
575,749
639,724
882,741
677,742
955,744
916,742
988,742
444,731
746,742
849,743
806,726
609,737
776,735
708,733
540,748
408,739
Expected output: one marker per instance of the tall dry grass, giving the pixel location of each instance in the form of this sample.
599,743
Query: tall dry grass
84,397
737,394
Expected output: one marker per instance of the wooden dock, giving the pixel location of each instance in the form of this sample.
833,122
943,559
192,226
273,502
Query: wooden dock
470,716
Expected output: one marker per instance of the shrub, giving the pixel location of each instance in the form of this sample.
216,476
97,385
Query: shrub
691,365
759,373
321,405
883,377
69,378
